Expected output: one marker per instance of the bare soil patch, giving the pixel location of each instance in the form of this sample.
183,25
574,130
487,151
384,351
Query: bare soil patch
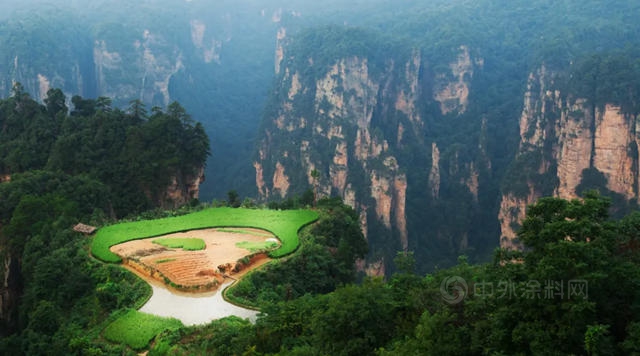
196,271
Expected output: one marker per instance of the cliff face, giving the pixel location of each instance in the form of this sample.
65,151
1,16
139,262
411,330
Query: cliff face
9,290
335,137
181,189
565,140
143,68
140,66
354,120
38,80
451,90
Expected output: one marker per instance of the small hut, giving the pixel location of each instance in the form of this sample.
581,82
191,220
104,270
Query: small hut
85,229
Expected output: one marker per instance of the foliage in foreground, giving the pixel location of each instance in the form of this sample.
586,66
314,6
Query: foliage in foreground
226,336
136,329
502,310
283,224
65,294
132,154
189,244
325,260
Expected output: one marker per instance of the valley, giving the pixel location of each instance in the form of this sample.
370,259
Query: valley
375,177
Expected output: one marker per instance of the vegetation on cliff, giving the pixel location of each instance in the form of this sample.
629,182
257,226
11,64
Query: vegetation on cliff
439,87
133,154
69,167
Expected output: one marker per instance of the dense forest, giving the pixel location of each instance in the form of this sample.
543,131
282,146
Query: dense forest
132,153
92,164
572,291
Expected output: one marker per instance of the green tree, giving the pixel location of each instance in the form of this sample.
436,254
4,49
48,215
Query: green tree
233,199
56,104
137,110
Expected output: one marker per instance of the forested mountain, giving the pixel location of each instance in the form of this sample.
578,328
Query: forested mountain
215,57
417,114
94,163
441,128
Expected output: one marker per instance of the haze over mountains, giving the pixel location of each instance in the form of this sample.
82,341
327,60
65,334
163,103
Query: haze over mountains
439,122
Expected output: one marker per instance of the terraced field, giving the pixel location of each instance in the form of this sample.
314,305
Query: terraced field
190,269
195,270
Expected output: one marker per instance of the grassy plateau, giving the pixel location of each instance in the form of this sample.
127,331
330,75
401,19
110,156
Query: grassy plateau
284,224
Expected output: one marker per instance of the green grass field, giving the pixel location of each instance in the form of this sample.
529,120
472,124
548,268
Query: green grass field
282,223
136,329
188,244
257,246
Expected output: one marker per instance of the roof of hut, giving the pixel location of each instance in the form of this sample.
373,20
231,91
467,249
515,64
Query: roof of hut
85,229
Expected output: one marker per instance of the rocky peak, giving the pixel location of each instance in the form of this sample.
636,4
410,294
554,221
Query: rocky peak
339,123
406,100
451,89
182,189
571,136
280,37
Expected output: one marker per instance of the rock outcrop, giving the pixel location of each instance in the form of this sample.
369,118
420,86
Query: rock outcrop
182,188
344,100
561,138
351,120
451,90
9,288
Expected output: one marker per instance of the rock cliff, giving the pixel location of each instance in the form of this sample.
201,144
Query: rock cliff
143,68
182,189
339,128
360,122
566,141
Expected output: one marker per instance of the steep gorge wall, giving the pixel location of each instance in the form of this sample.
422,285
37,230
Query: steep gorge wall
182,188
362,126
339,126
139,66
561,138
